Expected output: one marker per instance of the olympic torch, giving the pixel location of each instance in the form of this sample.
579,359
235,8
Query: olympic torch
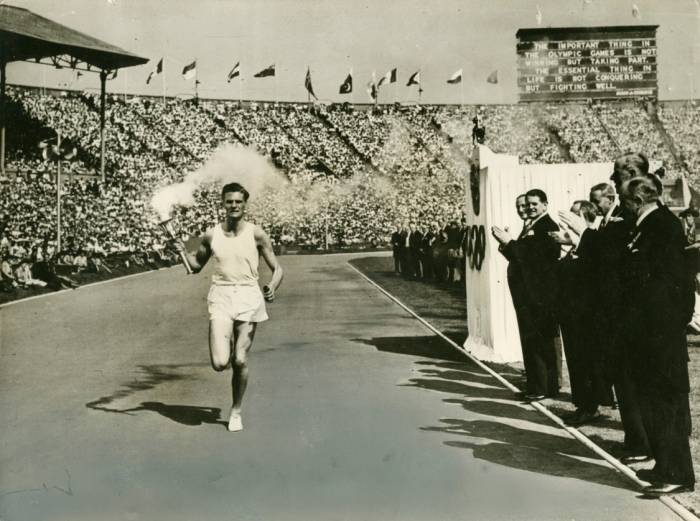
168,228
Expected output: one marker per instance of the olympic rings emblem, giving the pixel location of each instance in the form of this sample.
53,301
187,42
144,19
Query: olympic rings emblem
475,249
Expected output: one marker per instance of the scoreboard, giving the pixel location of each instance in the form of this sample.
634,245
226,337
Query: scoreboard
587,63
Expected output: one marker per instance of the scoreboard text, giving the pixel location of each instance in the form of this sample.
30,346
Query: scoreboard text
582,63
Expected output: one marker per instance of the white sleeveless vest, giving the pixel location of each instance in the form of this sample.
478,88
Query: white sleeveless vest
236,257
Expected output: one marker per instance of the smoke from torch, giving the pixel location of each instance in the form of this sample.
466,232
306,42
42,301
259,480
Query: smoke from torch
229,163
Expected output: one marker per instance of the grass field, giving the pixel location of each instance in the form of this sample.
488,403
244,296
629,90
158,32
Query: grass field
444,306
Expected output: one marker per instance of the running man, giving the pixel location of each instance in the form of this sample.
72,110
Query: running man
235,301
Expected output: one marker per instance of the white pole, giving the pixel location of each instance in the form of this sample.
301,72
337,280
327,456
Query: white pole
163,80
58,194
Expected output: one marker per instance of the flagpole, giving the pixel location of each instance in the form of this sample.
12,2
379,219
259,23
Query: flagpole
163,79
196,82
352,91
461,90
126,83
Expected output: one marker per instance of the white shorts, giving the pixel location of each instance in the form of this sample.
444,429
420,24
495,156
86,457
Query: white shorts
244,303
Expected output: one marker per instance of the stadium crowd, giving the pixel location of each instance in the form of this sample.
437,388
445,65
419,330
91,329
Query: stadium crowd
353,171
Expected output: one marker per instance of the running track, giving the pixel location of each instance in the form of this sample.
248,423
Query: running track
110,411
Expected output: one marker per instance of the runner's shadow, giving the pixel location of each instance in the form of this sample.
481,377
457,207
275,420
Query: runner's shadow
147,378
191,415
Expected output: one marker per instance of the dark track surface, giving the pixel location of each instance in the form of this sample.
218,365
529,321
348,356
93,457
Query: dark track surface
354,411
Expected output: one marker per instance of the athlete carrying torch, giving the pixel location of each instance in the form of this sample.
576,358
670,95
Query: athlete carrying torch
236,303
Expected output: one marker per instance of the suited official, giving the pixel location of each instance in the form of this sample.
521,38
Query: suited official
404,252
660,295
576,307
396,248
533,284
605,249
426,250
415,238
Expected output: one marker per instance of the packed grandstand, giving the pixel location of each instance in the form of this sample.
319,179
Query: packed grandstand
353,171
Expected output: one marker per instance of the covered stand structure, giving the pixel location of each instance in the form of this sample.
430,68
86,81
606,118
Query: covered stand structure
26,36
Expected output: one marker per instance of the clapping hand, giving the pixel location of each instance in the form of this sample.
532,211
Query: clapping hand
501,235
575,223
562,237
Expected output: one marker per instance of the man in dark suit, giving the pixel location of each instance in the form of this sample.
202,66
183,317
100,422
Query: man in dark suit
454,239
426,251
404,253
576,318
533,284
439,251
396,248
605,249
415,238
660,299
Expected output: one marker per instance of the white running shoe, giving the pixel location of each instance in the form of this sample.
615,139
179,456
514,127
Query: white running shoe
235,423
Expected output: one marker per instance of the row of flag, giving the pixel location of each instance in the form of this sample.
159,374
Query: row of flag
346,87
414,79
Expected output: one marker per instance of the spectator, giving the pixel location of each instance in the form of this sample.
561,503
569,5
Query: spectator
533,286
659,293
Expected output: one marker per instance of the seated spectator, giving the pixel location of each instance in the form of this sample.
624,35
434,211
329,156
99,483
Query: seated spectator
23,275
7,276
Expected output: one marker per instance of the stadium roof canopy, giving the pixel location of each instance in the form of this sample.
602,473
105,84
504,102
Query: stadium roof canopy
25,35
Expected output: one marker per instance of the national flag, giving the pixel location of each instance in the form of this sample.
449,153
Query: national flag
150,76
78,74
159,67
389,77
346,86
113,75
372,88
456,77
269,71
493,77
234,72
372,91
635,11
414,79
307,83
538,16
190,71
